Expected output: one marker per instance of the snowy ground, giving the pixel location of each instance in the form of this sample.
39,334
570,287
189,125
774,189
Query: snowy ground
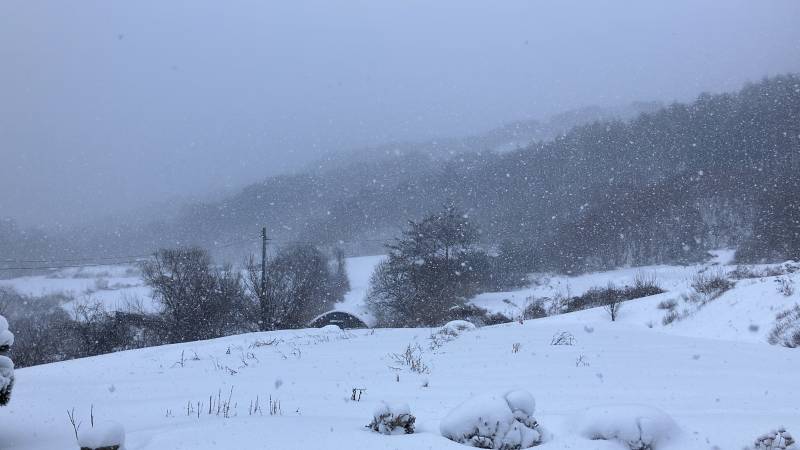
115,286
720,392
712,372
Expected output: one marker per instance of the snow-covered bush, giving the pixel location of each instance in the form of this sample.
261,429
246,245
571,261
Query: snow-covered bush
787,328
450,331
712,284
6,365
458,326
534,308
102,436
411,358
779,439
563,338
638,427
785,286
392,418
504,421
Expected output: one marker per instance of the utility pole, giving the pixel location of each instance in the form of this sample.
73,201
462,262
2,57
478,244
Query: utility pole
263,262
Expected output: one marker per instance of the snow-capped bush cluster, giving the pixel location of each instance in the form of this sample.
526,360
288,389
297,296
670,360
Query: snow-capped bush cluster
392,418
102,436
458,326
503,421
6,365
636,426
786,331
779,439
450,331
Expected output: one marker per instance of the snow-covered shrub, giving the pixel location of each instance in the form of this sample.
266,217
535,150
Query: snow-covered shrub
668,305
785,286
745,271
534,308
563,338
392,418
779,439
458,326
411,358
503,421
638,427
102,436
6,365
330,328
476,315
787,328
450,331
711,283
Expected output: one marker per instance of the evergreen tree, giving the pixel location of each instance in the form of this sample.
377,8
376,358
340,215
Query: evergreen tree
430,272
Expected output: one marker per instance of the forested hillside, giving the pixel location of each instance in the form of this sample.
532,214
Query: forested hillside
663,187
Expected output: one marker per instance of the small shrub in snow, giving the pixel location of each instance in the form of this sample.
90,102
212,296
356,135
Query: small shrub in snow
102,436
644,286
458,326
711,283
744,271
670,316
449,332
476,315
6,379
668,305
787,328
779,439
563,338
411,358
392,419
636,426
785,286
534,308
612,308
503,422
6,365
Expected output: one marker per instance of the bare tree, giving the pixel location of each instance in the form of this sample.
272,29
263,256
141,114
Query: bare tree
612,307
299,286
197,300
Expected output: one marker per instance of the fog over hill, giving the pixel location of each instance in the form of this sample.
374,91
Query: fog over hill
110,106
698,175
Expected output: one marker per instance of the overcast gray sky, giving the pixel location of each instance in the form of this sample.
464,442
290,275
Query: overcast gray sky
107,105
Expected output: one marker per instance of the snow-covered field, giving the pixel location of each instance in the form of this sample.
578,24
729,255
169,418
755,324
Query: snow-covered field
712,372
115,286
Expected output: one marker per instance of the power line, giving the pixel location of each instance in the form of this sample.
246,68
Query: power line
68,260
69,266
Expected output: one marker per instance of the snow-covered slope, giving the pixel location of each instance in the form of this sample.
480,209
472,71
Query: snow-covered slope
719,392
712,371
